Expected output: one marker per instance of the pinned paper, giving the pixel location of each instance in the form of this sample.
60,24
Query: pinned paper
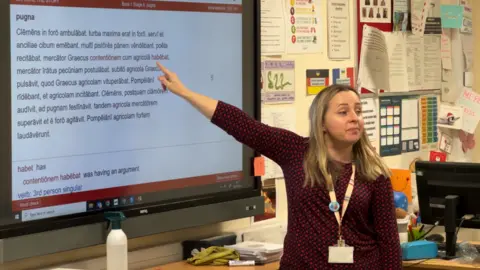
468,79
452,16
436,156
470,102
450,117
259,166
467,140
317,80
446,142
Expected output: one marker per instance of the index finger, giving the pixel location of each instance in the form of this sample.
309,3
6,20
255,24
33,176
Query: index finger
162,68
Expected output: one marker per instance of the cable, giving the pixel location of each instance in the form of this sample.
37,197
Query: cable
459,226
465,217
431,228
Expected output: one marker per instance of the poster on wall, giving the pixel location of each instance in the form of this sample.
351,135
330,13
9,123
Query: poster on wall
343,76
390,123
304,32
401,16
369,112
470,103
273,23
433,23
317,80
338,23
278,81
428,116
410,127
375,11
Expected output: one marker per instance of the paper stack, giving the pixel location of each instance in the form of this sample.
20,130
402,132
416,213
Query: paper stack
258,251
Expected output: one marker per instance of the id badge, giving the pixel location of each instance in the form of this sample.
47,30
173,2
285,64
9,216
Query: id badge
340,253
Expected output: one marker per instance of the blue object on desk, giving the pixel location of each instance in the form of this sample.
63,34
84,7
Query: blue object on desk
400,200
418,250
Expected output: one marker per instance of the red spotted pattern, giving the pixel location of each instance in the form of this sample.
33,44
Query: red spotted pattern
369,224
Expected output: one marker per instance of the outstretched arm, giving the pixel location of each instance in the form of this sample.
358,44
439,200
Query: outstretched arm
204,104
272,142
386,224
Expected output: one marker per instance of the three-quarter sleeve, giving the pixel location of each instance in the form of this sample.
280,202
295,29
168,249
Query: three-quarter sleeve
274,143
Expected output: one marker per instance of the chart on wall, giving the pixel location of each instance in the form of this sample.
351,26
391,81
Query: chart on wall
278,81
429,116
410,128
375,11
390,123
399,125
304,34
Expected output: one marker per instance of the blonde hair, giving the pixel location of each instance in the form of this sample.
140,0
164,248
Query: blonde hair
318,169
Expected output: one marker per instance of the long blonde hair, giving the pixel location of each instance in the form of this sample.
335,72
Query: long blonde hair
318,169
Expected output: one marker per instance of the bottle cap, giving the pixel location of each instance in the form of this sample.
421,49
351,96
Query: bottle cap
115,218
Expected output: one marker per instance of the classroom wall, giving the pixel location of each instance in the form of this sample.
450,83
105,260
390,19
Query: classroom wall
476,67
301,105
302,102
170,241
405,160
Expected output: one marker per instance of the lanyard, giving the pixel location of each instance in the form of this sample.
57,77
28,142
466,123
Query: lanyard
334,206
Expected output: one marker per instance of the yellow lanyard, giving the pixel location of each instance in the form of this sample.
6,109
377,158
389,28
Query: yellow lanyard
335,206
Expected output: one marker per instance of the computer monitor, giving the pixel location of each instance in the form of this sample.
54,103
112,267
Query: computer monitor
87,127
447,193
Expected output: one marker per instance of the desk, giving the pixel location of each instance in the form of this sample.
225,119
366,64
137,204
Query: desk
438,264
186,266
433,264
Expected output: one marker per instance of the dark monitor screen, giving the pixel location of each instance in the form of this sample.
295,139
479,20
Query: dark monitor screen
88,127
437,180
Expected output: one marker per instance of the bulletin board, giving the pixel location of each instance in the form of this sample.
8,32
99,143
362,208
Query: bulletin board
443,91
413,114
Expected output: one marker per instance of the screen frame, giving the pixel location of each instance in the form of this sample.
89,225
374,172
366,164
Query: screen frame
251,105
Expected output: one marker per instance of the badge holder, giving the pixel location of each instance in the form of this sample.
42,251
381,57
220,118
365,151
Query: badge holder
340,253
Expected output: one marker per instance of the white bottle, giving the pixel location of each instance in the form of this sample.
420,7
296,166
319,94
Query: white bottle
117,243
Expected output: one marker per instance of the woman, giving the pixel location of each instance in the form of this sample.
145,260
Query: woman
317,172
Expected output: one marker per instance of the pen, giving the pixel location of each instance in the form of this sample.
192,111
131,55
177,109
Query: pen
244,263
421,228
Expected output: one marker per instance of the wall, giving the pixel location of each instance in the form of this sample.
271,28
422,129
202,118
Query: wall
403,161
166,247
476,67
171,252
475,157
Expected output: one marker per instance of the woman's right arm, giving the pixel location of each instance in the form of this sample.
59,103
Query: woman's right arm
274,143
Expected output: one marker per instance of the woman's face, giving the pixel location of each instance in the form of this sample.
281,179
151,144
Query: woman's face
343,119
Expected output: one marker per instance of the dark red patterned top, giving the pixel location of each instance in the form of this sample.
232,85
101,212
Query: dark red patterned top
369,224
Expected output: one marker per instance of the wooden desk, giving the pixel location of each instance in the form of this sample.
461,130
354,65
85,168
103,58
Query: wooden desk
186,266
439,264
433,264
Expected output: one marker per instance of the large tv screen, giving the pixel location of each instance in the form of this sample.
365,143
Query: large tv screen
87,127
